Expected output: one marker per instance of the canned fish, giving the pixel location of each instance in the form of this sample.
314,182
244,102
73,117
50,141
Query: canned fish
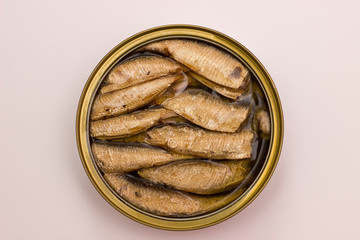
179,127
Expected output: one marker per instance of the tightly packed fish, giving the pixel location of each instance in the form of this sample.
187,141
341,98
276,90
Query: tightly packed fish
139,70
162,200
201,143
175,128
232,93
129,124
127,158
199,176
129,99
218,115
210,62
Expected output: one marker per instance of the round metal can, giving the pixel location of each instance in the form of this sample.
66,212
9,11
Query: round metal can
196,33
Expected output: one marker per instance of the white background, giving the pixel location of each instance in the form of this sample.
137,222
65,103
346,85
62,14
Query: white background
49,48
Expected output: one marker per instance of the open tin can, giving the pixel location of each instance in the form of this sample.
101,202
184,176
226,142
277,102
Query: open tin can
268,151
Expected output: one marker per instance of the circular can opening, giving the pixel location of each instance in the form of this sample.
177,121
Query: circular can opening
179,127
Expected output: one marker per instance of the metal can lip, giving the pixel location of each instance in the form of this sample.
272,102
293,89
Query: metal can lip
193,32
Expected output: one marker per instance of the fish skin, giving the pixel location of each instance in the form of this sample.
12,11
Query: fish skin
262,121
138,70
128,99
199,176
232,93
110,88
163,201
177,87
208,61
201,143
129,124
207,111
126,158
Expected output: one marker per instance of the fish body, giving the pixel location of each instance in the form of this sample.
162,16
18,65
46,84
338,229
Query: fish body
199,176
127,158
110,88
262,121
201,143
205,110
232,93
128,99
129,124
177,87
163,201
208,61
139,70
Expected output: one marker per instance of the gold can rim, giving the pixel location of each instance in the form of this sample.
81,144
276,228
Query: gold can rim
180,31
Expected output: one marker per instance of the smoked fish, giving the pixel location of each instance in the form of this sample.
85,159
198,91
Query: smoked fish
199,176
208,61
177,87
187,140
232,93
207,111
130,157
129,124
128,99
163,201
262,120
138,70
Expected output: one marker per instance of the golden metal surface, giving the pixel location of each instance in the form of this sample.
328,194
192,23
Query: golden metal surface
177,31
